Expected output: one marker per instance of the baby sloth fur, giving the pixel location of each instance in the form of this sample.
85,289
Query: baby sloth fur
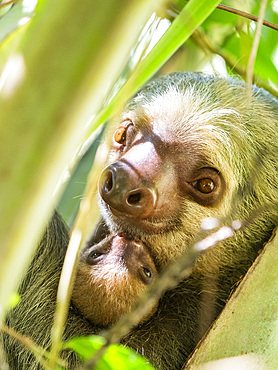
188,146
111,276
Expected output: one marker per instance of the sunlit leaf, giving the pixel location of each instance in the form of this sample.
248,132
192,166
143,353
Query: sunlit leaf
116,357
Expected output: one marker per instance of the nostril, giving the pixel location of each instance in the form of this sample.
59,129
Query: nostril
139,202
134,199
108,182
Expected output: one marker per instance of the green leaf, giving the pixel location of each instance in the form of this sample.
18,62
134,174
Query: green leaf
116,357
264,67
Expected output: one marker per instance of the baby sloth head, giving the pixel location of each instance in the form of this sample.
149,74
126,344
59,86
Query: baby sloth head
110,278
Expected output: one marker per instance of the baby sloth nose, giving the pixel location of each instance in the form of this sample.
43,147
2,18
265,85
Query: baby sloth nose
122,189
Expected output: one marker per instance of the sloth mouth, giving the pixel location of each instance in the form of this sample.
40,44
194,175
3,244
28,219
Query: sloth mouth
135,225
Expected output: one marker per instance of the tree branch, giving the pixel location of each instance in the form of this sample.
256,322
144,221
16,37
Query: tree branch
245,15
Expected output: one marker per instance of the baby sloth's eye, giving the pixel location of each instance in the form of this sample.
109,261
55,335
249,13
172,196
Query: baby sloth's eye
147,272
205,186
146,275
94,257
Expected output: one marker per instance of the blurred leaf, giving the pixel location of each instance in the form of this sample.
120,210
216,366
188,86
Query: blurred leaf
245,335
116,357
264,67
221,17
16,17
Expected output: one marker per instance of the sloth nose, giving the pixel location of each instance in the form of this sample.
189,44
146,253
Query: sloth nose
121,188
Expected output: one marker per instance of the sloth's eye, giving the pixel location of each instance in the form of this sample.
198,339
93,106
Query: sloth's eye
205,186
147,272
94,257
120,135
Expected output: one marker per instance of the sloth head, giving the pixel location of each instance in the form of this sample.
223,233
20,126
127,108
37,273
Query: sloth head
189,146
110,278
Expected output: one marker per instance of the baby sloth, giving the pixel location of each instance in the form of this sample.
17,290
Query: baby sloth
110,278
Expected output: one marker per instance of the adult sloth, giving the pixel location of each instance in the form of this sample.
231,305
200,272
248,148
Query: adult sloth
188,146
